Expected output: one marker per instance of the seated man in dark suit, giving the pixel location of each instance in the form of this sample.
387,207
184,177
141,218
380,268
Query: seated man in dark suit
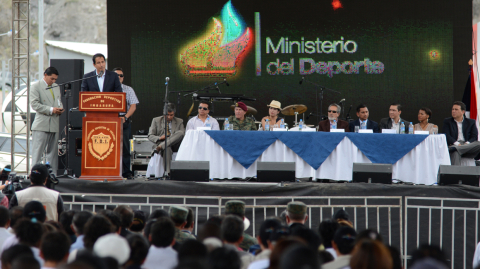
394,121
333,114
461,134
107,81
363,121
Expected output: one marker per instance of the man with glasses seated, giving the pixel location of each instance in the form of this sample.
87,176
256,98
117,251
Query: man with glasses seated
333,122
203,119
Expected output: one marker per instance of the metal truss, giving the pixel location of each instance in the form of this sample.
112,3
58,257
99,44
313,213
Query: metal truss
20,76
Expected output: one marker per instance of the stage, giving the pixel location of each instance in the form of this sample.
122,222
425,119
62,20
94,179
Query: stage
406,215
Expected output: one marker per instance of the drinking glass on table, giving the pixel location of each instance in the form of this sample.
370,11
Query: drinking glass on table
276,126
357,128
435,129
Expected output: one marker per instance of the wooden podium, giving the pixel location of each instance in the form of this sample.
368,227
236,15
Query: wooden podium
102,139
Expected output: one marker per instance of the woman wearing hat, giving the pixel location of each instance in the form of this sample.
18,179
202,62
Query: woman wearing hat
273,117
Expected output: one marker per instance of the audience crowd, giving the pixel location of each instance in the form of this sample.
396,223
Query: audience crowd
129,239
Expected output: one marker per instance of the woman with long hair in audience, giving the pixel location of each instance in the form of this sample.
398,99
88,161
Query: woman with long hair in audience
371,254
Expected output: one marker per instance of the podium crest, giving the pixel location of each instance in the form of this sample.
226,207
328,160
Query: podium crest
100,146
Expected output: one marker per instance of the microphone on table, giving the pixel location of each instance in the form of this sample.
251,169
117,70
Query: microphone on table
341,101
301,81
100,74
218,89
309,115
225,81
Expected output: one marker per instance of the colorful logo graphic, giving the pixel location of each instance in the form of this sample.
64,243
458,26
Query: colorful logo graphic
220,53
434,55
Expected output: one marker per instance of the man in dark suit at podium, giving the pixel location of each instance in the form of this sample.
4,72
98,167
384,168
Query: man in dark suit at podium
362,114
105,81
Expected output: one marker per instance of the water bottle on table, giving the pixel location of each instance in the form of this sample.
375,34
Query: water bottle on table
300,125
282,124
364,125
402,127
267,125
410,128
207,122
334,125
226,125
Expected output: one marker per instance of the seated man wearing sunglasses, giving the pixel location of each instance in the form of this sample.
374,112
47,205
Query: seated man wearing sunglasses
333,122
203,119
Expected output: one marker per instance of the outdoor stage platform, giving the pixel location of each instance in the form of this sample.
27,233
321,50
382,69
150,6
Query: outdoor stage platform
406,215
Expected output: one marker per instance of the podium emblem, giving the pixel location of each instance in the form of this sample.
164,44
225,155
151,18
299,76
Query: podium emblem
100,146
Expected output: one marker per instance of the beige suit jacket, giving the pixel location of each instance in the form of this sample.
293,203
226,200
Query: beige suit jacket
42,101
157,129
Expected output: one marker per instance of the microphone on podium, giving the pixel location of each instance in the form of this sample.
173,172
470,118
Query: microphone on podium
101,74
301,81
341,101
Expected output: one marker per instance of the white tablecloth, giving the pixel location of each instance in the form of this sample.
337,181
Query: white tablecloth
419,166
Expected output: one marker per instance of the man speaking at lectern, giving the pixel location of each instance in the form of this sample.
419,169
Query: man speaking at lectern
105,81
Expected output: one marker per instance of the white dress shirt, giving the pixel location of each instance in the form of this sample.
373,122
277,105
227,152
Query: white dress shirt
195,122
100,80
160,258
4,235
461,137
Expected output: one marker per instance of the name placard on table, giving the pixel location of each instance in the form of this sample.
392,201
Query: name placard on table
365,131
422,132
337,130
389,131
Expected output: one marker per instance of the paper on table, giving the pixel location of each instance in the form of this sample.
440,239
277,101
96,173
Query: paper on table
389,131
365,131
337,130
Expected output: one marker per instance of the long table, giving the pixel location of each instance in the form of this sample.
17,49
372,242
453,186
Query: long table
419,165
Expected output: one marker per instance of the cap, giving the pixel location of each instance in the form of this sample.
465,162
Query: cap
297,208
39,173
7,168
235,207
275,104
34,209
178,212
242,105
344,234
340,214
112,245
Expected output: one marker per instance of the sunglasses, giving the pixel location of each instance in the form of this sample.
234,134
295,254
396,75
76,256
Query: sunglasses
204,108
120,76
332,111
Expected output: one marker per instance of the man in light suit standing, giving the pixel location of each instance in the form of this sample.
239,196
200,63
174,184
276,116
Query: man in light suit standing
157,133
45,99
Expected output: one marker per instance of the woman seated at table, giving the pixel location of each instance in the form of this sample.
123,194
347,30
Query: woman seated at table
424,115
273,117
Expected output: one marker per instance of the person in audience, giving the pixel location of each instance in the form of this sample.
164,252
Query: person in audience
203,118
369,234
25,262
313,240
192,250
224,258
158,213
95,227
113,246
424,115
54,249
279,249
13,252
232,236
325,256
240,121
262,260
16,213
341,216
138,251
4,225
138,223
333,114
327,229
148,227
429,251
299,256
126,218
237,208
371,254
65,222
157,133
274,109
161,255
188,228
396,257
343,243
78,225
362,114
114,218
462,134
296,214
394,121
178,214
37,191
29,232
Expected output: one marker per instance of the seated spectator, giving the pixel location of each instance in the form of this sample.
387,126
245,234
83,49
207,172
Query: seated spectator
139,221
396,257
280,247
313,239
370,234
236,207
162,237
138,251
370,254
325,256
16,213
54,249
13,252
95,227
327,229
179,216
65,221
232,235
126,218
268,227
296,214
224,258
192,250
4,225
114,218
78,225
25,262
429,251
158,213
188,228
341,216
113,246
299,256
343,243
30,232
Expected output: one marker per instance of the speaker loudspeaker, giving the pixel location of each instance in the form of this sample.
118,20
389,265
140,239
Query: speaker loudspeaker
189,170
372,173
275,171
455,174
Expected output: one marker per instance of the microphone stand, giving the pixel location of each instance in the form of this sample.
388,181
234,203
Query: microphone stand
165,114
321,88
